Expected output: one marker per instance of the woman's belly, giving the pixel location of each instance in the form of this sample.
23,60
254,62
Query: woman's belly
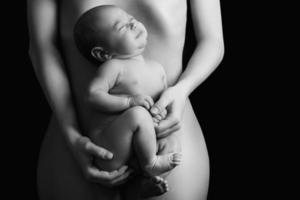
59,175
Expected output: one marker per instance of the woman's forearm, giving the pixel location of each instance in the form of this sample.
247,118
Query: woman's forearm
206,57
206,15
48,64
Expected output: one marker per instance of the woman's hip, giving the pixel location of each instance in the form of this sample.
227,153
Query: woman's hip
59,176
189,180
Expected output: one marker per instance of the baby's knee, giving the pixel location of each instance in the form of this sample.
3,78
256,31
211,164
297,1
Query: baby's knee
138,114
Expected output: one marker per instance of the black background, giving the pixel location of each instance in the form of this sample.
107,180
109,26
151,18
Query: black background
237,106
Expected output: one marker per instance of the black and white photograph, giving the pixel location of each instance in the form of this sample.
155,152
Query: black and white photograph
141,99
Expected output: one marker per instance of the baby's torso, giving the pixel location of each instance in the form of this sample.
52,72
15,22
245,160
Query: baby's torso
147,78
137,77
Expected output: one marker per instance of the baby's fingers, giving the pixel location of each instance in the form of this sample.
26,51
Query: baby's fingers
145,104
149,100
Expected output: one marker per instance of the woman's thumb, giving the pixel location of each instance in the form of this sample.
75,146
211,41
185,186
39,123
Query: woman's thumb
159,106
99,151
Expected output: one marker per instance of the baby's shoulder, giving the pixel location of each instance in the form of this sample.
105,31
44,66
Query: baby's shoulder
110,65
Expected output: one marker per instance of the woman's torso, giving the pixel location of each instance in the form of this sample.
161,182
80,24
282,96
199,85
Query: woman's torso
59,176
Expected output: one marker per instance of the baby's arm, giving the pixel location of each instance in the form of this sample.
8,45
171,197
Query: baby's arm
100,98
98,93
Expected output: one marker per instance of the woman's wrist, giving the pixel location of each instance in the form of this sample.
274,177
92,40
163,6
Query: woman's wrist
183,87
71,134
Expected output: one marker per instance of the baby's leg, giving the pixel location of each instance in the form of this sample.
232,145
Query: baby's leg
134,125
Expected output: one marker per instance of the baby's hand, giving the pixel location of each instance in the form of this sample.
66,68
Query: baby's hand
141,100
158,117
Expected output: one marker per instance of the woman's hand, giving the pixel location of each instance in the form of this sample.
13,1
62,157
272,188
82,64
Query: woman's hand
84,151
173,100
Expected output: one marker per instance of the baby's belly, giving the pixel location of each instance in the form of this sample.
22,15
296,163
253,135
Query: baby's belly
152,86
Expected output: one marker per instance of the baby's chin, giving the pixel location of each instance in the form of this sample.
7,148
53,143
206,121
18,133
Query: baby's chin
142,47
139,49
138,52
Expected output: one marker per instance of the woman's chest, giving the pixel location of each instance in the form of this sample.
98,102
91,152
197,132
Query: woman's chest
166,30
157,15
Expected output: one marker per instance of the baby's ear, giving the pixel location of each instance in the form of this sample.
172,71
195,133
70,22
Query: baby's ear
100,54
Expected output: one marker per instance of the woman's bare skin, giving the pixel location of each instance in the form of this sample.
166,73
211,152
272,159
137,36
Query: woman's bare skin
59,176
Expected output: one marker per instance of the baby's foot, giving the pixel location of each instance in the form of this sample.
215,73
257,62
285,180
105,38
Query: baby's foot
163,163
153,186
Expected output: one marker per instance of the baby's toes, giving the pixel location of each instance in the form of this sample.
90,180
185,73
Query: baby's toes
162,182
165,185
157,179
176,158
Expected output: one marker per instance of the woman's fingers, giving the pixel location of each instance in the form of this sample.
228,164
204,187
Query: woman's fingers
94,174
163,113
121,178
168,131
108,178
155,120
167,123
91,172
97,151
158,117
159,106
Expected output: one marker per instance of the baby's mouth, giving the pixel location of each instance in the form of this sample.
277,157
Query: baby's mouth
139,34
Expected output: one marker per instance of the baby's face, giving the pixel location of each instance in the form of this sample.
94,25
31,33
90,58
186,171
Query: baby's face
125,35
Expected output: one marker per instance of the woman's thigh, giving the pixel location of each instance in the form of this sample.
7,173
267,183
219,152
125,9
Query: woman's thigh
59,176
190,180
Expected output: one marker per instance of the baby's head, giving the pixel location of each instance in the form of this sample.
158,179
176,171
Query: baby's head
105,32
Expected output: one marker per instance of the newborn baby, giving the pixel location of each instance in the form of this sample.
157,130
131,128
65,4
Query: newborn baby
123,90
